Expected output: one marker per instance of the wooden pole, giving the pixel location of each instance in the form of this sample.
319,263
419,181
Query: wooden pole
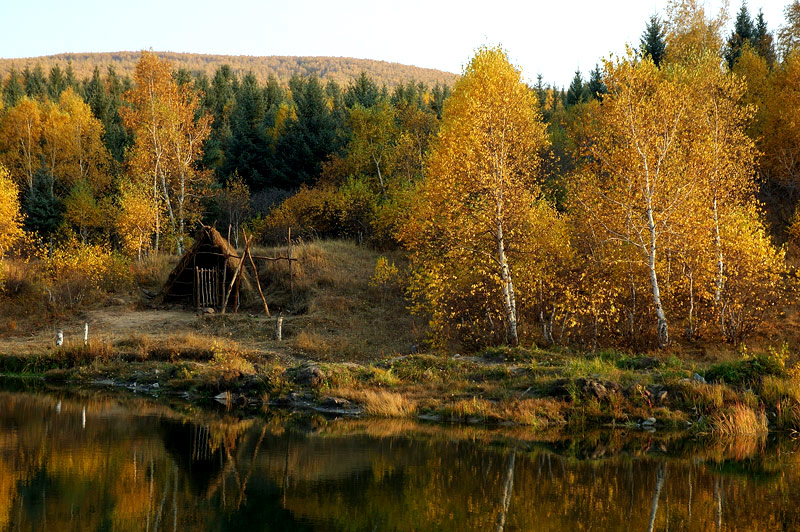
195,295
279,327
291,275
224,281
233,281
255,271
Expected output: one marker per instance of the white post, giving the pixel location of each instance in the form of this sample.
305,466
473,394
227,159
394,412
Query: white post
60,338
85,334
279,327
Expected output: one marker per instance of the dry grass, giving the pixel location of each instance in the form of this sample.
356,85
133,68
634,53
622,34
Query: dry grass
382,403
739,420
335,314
154,270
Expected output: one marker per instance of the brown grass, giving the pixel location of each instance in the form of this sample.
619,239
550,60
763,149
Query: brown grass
335,314
382,403
739,420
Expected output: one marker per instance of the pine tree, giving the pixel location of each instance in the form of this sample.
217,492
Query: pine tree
653,41
577,92
743,32
42,208
763,42
13,91
596,86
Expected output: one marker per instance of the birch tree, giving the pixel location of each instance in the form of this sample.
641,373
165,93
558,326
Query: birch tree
474,229
641,186
170,132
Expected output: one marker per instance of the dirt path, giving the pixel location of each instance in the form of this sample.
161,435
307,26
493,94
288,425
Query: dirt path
108,323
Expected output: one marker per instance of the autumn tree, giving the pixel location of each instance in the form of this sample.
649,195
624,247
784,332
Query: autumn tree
169,141
639,189
789,32
136,214
474,233
690,32
82,210
10,216
21,141
372,139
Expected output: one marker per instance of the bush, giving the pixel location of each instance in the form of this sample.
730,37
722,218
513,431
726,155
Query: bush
750,369
75,270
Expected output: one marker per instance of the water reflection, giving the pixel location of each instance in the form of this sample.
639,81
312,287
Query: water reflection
95,462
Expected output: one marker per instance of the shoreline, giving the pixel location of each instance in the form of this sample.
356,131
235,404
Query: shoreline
538,390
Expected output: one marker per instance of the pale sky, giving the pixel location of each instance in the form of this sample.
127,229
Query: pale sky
551,37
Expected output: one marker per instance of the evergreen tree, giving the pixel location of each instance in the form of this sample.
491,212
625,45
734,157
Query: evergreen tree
763,41
743,33
577,92
35,83
219,101
541,90
439,94
362,91
56,82
247,148
596,86
653,41
13,91
42,208
308,140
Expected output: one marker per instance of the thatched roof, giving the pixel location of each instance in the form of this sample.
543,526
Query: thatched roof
210,249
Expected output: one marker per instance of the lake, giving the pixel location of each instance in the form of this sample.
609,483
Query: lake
95,460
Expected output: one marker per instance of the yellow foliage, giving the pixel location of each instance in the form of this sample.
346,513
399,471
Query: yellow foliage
385,272
10,217
135,220
485,247
81,268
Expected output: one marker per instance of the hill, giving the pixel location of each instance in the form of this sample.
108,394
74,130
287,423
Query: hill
339,69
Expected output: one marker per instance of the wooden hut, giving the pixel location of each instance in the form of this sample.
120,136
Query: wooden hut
205,272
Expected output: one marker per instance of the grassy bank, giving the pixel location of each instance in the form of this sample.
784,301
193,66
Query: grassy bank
351,347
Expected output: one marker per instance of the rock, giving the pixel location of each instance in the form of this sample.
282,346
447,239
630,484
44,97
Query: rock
661,396
338,406
156,385
596,388
430,417
698,378
224,397
310,376
208,310
649,422
335,402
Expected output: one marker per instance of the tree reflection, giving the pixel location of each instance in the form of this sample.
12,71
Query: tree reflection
139,465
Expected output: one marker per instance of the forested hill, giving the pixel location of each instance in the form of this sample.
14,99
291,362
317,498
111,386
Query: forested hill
340,69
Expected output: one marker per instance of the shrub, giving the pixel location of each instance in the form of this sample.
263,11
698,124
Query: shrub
750,369
75,270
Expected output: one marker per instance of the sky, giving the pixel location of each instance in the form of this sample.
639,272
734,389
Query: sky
553,37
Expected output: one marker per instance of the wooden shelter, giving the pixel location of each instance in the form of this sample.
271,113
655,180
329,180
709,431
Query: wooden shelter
204,274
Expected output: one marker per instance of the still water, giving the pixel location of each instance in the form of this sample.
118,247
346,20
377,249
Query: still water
95,461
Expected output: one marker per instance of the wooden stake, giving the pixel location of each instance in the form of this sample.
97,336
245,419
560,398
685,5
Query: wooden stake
85,334
235,278
291,276
255,271
279,327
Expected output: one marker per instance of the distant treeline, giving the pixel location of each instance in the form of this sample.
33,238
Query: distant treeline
338,69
